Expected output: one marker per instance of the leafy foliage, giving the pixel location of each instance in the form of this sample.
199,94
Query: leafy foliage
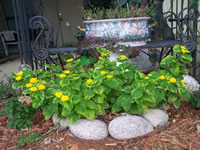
195,99
75,93
32,138
121,9
19,115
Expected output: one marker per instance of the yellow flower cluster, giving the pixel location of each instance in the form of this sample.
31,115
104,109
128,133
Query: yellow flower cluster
41,87
29,85
149,75
109,76
162,78
62,75
122,57
19,76
62,97
146,78
103,72
100,58
172,80
69,60
66,72
89,81
184,50
33,89
33,80
104,54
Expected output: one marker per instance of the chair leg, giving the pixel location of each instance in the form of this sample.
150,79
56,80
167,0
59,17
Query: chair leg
5,48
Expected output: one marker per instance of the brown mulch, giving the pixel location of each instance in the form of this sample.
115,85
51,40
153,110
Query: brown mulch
180,133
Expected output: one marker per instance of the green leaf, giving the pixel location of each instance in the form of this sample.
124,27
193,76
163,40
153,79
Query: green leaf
37,99
64,83
75,77
90,104
139,75
172,98
159,95
81,109
127,90
112,83
49,110
98,90
90,114
88,94
17,85
76,99
184,93
177,103
167,61
137,93
73,118
117,71
116,108
99,99
68,105
135,109
76,85
65,112
185,58
79,69
150,89
26,91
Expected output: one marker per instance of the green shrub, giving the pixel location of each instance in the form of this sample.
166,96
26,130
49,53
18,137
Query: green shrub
19,115
195,99
75,93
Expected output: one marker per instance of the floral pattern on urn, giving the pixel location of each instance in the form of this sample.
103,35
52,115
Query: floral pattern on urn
127,29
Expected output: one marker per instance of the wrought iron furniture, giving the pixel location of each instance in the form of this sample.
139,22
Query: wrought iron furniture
8,38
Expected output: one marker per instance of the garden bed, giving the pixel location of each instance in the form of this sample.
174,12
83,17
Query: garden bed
179,133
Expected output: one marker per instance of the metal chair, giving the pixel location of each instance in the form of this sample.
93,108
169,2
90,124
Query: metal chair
8,38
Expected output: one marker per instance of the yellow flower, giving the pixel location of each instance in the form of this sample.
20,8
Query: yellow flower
62,76
162,77
149,75
58,94
172,80
69,60
146,78
64,98
109,76
100,58
103,72
29,85
33,80
33,89
89,81
122,57
66,72
104,54
20,73
18,78
41,87
183,83
184,50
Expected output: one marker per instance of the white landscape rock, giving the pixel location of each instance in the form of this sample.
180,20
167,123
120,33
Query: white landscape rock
191,84
126,127
64,123
89,129
156,117
55,119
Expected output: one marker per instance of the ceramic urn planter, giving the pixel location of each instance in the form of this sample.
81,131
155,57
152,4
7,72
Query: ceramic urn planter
126,31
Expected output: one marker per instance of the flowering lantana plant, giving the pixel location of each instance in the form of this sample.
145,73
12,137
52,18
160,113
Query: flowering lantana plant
75,93
122,9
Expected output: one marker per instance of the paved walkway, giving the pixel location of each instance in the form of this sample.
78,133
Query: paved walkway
10,66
